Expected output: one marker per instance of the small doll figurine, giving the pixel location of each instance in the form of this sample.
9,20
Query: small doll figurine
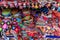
5,23
48,5
32,5
24,5
40,5
20,5
5,26
7,33
16,4
12,5
14,22
14,11
18,19
36,5
26,14
17,29
6,5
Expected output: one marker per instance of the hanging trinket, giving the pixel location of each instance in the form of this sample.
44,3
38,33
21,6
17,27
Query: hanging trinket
36,6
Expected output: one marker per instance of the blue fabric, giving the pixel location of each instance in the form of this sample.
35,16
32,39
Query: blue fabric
13,27
31,38
50,36
36,15
6,15
58,9
10,36
44,10
18,19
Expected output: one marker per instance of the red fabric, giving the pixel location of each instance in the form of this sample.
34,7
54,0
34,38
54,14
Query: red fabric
53,16
19,37
45,18
31,34
34,0
9,0
16,30
58,0
56,14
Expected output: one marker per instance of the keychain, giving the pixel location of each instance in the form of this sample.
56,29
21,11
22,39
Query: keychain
24,5
32,5
36,6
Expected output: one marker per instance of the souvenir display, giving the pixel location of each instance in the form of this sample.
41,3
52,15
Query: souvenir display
29,20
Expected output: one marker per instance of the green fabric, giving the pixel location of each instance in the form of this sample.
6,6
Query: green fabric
26,17
21,25
0,29
6,12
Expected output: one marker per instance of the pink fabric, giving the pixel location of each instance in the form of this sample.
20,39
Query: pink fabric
4,26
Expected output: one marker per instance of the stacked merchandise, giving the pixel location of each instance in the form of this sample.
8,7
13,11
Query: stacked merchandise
24,20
